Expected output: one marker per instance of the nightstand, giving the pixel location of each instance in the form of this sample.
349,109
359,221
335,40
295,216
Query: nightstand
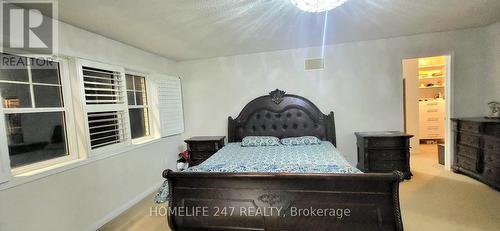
384,152
201,148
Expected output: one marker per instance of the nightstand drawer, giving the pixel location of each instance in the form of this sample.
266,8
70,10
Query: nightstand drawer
384,151
492,158
467,163
203,146
396,154
492,174
195,162
195,155
386,166
491,144
467,151
467,139
374,143
469,126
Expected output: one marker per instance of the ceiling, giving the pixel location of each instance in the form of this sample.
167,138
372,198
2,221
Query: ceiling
196,29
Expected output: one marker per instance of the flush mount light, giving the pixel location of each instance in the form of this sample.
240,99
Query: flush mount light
315,6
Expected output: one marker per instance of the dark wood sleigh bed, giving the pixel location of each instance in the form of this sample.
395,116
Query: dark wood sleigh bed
250,201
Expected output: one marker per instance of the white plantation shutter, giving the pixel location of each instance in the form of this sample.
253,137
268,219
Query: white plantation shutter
170,106
104,104
102,86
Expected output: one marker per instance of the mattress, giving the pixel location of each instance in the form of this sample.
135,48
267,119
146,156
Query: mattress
319,158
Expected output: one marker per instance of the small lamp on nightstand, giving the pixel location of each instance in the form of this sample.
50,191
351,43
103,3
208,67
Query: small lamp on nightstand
494,110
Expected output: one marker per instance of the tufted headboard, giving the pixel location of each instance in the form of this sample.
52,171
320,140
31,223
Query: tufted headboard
281,115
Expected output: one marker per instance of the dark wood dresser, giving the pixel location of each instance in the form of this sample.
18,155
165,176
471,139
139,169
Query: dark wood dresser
384,152
477,149
201,148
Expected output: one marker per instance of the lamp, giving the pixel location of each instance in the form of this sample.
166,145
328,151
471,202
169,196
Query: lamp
316,6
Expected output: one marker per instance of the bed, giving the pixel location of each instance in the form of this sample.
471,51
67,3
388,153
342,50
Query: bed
281,188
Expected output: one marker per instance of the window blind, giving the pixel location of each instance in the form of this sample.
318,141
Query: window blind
106,128
170,106
105,103
102,86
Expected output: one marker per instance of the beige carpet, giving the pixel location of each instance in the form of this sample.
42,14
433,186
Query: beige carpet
434,199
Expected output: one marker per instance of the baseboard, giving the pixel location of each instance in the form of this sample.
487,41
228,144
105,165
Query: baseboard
115,213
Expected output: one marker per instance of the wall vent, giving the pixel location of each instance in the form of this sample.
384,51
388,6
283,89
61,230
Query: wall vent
314,64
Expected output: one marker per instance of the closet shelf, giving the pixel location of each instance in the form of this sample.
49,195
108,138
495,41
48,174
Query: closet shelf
432,66
431,87
433,77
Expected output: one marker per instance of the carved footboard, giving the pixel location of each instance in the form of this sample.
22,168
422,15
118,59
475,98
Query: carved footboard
265,201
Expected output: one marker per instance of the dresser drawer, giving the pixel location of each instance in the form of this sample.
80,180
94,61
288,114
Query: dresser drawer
203,146
430,105
386,166
492,158
194,155
374,143
396,154
491,129
433,129
467,163
492,174
467,139
433,120
491,144
468,151
469,126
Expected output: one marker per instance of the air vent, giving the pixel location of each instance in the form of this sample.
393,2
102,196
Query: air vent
314,64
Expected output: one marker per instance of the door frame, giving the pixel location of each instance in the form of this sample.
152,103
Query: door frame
449,87
449,148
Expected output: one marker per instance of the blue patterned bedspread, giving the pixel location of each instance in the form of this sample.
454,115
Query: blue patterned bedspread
320,158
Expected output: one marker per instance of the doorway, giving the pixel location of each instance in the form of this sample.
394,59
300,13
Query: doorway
427,107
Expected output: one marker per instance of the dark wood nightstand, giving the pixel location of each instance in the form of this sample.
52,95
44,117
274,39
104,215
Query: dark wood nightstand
384,152
201,148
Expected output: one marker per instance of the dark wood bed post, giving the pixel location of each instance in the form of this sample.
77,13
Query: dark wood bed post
331,117
372,197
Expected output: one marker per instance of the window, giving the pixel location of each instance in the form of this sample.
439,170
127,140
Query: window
39,127
34,111
105,106
138,105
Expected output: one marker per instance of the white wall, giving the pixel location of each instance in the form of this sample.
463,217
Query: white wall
492,85
82,198
361,82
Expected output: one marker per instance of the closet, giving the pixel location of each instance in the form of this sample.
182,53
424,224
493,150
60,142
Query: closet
431,85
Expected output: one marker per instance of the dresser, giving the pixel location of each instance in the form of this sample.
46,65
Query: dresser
201,148
384,152
431,119
477,149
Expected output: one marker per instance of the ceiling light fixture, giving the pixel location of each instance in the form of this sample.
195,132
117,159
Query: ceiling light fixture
316,6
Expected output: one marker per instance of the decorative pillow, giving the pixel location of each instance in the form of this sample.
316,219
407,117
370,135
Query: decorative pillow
254,141
303,140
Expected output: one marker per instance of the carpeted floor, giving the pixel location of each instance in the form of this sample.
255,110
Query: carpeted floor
434,199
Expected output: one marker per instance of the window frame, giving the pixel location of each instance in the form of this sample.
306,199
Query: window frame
67,109
83,108
149,86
